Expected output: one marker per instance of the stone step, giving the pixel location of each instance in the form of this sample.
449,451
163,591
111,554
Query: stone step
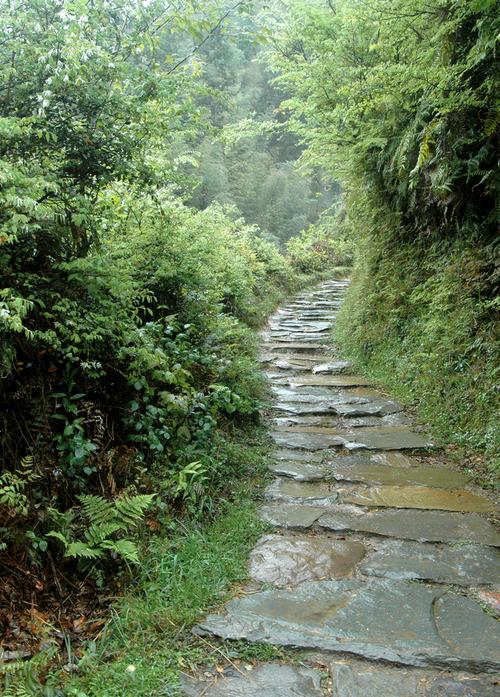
331,381
286,561
463,565
364,679
359,469
396,621
390,438
422,526
264,680
424,497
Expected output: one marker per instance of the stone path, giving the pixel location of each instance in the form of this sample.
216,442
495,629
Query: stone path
382,569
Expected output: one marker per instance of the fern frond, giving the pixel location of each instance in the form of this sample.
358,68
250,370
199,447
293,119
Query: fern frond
96,534
79,549
97,509
126,549
492,123
130,510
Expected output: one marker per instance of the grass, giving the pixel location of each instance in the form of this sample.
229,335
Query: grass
415,321
191,569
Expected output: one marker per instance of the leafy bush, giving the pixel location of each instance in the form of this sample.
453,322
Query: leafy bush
325,244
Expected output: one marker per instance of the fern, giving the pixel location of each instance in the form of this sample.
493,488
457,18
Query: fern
105,520
492,123
97,509
130,510
13,486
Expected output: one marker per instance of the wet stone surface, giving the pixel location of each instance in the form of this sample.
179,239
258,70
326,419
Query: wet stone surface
354,469
300,471
332,381
298,455
374,407
421,497
422,526
290,491
331,368
285,561
385,439
291,516
305,441
266,680
363,679
395,621
465,565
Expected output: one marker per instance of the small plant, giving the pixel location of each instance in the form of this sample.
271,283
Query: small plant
108,524
13,487
188,483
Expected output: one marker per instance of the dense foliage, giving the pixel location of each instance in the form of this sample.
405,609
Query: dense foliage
126,294
399,101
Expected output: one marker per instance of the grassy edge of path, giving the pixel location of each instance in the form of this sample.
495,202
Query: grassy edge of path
184,575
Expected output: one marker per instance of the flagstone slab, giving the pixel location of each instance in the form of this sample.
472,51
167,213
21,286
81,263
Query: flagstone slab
343,469
329,420
394,438
376,421
332,381
297,408
297,455
295,345
375,407
288,365
490,598
425,497
290,491
331,368
394,621
306,428
422,526
305,441
290,516
464,565
300,471
265,680
285,561
363,679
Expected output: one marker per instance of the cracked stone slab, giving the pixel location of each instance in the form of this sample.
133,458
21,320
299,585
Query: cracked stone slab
464,565
291,516
292,366
395,438
286,393
422,526
332,381
354,470
300,471
331,368
295,345
363,679
290,491
396,621
424,497
298,408
377,421
375,407
285,561
306,428
305,441
265,680
297,455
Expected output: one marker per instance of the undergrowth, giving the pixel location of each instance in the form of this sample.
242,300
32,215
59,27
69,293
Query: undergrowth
186,571
422,321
